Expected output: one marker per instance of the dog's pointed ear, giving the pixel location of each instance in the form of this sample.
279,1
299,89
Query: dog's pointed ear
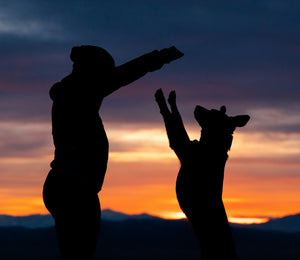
240,121
201,114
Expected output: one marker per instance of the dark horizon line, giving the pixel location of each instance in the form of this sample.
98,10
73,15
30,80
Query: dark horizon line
151,215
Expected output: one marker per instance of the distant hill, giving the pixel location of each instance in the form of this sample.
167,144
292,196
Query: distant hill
285,224
111,215
31,221
45,221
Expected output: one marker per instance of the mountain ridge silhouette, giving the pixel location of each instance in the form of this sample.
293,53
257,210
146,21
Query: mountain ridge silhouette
290,223
46,220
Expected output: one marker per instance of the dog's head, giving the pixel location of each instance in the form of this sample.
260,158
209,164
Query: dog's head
217,121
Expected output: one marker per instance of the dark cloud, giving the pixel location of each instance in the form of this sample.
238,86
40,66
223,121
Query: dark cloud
25,107
25,140
244,54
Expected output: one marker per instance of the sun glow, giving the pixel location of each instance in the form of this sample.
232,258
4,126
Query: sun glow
172,215
22,206
247,220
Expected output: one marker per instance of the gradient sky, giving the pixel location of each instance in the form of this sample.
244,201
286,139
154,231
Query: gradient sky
243,54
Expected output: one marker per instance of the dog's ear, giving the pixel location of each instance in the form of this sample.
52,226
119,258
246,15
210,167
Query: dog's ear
240,121
201,115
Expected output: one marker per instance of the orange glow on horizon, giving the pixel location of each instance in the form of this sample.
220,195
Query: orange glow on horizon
173,215
23,206
248,220
260,181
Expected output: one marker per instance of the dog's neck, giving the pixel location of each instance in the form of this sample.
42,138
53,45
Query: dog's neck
218,143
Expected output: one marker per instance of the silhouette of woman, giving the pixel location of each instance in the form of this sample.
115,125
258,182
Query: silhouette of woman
81,146
199,183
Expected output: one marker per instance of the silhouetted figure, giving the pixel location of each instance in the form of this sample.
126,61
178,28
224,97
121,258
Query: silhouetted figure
199,182
81,146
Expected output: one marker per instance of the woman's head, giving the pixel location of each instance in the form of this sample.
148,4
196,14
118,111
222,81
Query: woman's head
91,59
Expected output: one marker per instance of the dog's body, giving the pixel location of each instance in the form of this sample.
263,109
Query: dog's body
199,182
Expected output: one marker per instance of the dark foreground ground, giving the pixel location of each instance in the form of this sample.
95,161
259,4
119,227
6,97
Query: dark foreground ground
148,239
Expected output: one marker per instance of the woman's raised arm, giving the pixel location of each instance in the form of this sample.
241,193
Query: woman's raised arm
131,71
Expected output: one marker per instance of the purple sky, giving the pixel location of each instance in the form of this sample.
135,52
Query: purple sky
243,54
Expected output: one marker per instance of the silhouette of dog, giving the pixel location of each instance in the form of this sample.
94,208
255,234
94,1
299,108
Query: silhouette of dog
199,183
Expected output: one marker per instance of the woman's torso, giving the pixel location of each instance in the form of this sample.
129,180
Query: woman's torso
81,145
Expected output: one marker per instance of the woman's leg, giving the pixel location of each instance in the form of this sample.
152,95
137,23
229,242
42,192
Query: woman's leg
77,227
77,218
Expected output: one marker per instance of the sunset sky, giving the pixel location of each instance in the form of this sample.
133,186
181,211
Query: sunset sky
242,54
